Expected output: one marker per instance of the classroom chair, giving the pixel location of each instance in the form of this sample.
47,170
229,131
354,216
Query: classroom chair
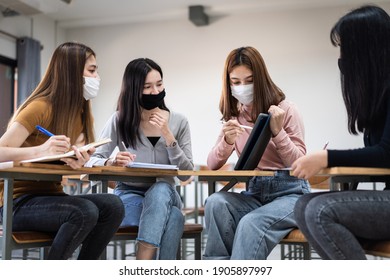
295,246
29,240
191,231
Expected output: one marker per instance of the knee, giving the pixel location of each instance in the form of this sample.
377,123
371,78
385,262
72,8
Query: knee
301,207
160,191
248,222
177,218
216,202
319,208
114,205
84,213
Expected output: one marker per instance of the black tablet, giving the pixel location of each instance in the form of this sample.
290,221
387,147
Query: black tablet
256,144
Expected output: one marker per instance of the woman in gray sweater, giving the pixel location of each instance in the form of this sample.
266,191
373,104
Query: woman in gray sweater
145,130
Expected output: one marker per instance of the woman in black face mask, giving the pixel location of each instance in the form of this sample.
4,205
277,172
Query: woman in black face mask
146,131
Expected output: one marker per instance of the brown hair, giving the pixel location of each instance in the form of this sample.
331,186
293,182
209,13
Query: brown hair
62,87
265,92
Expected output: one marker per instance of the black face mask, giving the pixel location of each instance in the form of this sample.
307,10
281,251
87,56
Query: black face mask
340,62
151,101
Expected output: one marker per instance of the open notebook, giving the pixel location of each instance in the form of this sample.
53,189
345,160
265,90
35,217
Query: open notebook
152,165
68,154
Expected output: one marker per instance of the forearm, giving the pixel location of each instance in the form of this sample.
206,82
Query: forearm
219,154
289,147
18,153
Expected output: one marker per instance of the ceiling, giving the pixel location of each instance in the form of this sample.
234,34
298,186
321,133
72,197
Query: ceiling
80,13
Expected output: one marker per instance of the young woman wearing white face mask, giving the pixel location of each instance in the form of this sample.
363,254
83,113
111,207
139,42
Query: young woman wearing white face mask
250,224
60,104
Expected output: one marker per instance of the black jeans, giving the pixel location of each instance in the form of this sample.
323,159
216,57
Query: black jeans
89,220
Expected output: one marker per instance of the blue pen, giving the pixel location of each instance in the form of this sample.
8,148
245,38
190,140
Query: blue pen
41,129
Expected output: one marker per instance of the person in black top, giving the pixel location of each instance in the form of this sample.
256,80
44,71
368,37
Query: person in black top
336,222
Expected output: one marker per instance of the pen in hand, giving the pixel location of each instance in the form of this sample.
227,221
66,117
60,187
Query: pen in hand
122,147
128,157
243,126
44,131
326,145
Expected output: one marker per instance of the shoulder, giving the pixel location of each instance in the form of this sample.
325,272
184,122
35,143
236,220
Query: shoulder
178,122
178,117
287,104
36,112
113,118
37,107
289,107
112,122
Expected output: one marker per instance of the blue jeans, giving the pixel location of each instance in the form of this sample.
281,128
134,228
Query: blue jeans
335,222
250,224
157,212
88,220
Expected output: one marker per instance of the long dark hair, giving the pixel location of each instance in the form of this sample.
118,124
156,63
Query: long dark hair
265,92
62,87
364,39
129,101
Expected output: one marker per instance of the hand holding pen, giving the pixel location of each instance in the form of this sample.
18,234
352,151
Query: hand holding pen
44,131
123,157
310,164
55,145
232,129
240,125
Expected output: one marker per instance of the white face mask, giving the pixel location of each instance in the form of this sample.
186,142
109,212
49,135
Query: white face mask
91,87
243,93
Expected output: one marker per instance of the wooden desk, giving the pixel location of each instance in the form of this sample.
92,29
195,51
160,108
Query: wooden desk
231,176
341,178
50,172
347,178
125,174
32,172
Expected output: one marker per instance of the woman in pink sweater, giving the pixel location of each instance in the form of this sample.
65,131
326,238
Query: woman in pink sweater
250,224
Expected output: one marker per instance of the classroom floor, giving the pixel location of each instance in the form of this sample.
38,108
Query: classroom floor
114,252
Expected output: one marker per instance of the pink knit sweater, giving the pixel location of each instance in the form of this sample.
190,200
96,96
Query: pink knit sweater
282,150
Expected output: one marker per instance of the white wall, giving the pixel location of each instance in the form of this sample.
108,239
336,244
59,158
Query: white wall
295,45
39,27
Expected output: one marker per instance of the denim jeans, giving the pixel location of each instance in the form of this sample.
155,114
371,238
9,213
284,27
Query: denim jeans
88,220
335,222
157,212
250,224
